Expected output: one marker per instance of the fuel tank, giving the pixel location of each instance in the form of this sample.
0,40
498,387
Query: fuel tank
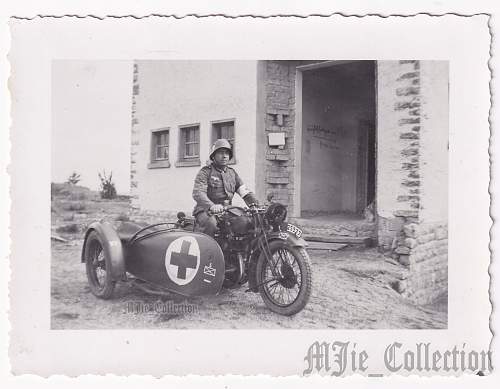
187,263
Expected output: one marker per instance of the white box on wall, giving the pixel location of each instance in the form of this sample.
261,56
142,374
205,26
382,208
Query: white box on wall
276,139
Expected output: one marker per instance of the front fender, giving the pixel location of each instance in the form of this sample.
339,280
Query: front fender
289,238
112,247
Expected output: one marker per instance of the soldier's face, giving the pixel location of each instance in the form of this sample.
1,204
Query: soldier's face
222,157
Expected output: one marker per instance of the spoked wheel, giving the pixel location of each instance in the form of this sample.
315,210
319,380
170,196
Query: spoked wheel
98,268
285,281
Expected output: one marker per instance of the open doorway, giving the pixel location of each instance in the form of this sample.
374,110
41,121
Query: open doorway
338,116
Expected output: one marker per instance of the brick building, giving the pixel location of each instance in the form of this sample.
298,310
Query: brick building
328,138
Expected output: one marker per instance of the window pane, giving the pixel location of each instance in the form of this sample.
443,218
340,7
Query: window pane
160,145
190,141
189,150
227,131
163,152
224,130
191,134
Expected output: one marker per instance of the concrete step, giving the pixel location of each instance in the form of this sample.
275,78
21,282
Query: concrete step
351,240
325,246
337,229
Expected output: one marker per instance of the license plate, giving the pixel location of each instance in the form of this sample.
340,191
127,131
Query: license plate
294,230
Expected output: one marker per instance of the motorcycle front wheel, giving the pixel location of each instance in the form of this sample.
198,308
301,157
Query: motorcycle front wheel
287,289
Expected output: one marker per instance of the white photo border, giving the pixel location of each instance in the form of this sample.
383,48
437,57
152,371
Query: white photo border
38,350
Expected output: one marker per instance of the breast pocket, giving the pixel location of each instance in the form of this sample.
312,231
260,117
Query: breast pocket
215,182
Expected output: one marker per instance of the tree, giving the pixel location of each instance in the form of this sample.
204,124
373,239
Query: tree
108,190
74,178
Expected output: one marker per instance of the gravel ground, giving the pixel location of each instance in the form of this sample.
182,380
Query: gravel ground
351,290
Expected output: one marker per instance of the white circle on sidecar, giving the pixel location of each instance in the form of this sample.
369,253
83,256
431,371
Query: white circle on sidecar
182,260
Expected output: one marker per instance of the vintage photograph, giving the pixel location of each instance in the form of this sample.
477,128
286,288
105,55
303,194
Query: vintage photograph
249,194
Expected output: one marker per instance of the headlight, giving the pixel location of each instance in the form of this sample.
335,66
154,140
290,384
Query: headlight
276,214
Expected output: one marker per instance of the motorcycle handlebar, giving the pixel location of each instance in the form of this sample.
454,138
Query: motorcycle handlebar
250,209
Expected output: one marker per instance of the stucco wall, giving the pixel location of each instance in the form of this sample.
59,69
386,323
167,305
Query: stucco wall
176,93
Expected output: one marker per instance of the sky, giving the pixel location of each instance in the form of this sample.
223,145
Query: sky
91,121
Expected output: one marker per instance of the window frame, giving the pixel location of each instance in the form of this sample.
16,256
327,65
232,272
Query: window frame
182,159
155,163
213,127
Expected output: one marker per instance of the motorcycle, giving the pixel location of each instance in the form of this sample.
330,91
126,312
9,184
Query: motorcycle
252,245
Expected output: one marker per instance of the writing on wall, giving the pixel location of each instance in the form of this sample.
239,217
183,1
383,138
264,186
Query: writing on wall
327,137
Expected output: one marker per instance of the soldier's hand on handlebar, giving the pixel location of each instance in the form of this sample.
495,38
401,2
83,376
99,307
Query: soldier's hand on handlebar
254,208
217,208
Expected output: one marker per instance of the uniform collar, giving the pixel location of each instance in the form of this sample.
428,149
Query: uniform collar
220,168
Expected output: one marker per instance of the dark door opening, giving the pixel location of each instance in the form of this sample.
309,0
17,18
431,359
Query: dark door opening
338,139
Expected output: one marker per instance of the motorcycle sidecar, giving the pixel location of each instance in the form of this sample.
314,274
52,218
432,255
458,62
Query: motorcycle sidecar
161,255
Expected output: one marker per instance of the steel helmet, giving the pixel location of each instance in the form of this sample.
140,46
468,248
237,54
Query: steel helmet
221,144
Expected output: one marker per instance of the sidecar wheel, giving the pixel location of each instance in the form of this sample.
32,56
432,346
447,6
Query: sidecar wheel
289,293
98,266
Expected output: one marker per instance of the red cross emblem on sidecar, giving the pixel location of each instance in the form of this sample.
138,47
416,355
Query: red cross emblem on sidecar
182,259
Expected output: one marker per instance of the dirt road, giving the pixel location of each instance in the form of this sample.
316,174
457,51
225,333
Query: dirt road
351,290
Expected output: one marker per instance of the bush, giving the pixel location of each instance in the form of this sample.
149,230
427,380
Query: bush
108,190
74,178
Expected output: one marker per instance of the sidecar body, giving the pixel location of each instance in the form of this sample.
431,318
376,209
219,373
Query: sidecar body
164,256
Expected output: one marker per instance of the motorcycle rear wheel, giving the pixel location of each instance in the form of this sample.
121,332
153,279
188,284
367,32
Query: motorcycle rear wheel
289,293
98,266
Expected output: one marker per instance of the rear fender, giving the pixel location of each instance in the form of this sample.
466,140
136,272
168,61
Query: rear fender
112,246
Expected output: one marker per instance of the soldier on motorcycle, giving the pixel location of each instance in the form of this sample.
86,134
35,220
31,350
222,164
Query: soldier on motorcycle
215,186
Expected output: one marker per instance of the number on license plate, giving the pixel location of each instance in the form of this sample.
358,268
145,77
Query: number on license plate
294,230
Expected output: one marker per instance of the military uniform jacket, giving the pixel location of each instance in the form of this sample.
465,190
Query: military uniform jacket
214,185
